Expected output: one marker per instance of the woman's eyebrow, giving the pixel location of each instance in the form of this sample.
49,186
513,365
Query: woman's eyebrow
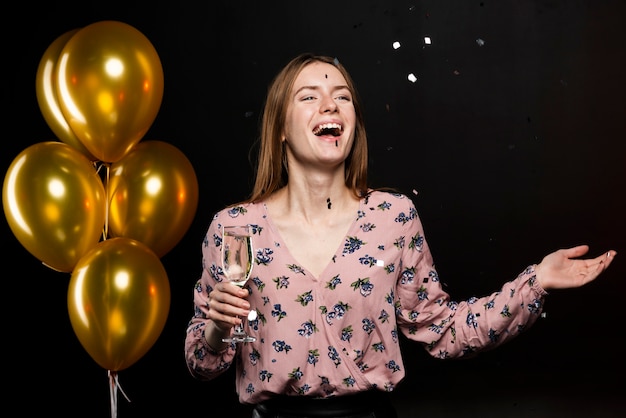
317,87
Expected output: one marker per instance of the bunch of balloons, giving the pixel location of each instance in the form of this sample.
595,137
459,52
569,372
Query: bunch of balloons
101,203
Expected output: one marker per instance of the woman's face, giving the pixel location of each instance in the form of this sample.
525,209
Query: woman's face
320,121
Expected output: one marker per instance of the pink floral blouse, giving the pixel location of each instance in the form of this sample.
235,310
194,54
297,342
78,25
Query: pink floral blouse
338,333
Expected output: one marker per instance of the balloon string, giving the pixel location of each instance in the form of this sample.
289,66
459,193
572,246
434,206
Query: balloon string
114,385
108,202
113,392
105,181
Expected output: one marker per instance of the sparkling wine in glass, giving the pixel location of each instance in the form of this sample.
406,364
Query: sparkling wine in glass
237,259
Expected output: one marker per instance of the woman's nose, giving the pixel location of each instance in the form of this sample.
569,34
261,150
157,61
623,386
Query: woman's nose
329,105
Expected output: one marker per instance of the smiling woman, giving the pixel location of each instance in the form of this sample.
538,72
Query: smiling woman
510,147
335,289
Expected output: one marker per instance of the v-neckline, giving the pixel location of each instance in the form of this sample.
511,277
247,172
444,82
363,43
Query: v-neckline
338,250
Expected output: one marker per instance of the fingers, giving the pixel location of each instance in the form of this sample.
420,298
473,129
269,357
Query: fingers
577,251
226,303
605,259
597,265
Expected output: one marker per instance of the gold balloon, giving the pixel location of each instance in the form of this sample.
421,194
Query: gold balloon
110,87
47,95
153,195
118,302
55,203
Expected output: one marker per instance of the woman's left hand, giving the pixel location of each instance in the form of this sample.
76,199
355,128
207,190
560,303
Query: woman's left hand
562,269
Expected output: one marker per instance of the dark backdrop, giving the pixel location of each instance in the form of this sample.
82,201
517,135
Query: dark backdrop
511,149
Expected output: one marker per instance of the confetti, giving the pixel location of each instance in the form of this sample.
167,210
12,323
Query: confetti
427,40
252,315
396,45
412,78
480,42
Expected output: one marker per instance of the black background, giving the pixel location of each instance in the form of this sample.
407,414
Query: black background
510,150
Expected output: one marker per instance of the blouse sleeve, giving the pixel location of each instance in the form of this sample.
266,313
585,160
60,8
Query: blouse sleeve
450,329
202,361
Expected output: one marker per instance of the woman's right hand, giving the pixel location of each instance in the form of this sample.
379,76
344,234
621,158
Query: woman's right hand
227,305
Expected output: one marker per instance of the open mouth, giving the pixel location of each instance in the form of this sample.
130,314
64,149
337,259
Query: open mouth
332,129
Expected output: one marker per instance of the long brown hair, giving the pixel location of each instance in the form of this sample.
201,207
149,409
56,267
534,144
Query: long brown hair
271,172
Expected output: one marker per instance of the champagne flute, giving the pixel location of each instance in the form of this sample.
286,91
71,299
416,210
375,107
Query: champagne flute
237,260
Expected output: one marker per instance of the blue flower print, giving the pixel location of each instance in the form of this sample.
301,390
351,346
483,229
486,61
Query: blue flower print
236,211
332,283
313,357
402,218
442,354
264,256
368,325
389,387
281,282
407,275
346,333
296,374
256,229
254,325
393,366
198,286
352,244
422,293
254,357
334,356
277,312
367,227
363,285
349,381
308,328
471,320
305,298
417,242
384,205
389,298
258,283
280,345
304,389
436,328
265,375
493,335
296,268
383,317
535,306
338,312
394,335
217,241
367,260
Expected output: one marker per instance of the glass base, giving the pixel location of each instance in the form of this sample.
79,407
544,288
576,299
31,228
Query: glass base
239,339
